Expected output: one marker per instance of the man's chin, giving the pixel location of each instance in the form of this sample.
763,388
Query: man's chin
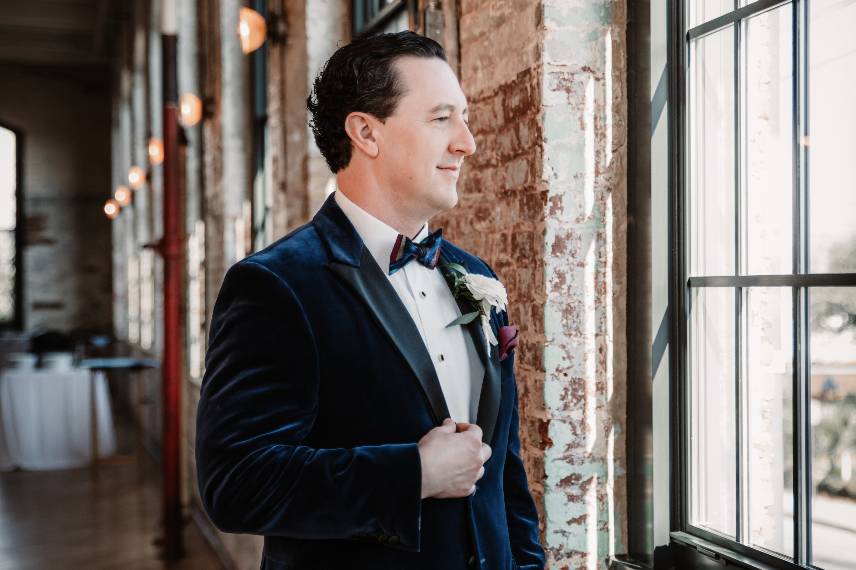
450,198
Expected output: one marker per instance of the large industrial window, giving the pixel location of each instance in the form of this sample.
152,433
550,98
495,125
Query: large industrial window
765,280
10,302
375,16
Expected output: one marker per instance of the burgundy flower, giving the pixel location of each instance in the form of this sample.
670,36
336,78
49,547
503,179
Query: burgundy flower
507,340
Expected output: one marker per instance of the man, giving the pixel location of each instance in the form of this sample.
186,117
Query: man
340,416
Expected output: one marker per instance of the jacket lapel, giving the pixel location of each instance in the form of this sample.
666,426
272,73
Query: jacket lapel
354,264
489,400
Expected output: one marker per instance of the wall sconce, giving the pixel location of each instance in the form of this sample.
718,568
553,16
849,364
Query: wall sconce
136,177
111,208
252,30
155,151
122,195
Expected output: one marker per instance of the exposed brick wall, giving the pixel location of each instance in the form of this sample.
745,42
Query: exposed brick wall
500,214
543,200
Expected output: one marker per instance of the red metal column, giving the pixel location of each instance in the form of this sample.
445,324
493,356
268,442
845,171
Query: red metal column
172,248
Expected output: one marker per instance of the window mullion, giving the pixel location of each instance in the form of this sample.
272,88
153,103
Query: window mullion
740,412
801,388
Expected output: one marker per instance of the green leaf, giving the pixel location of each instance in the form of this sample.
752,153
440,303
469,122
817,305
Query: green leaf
464,319
457,267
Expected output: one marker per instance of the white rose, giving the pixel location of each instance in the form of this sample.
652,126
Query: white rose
487,290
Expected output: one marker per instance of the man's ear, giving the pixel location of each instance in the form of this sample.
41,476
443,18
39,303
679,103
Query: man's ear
362,132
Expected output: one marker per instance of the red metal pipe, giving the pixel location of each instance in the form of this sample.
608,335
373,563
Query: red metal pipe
172,249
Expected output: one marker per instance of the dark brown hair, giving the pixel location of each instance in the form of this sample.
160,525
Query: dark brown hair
360,77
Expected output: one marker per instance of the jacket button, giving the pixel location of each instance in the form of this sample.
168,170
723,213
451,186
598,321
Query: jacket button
472,561
393,539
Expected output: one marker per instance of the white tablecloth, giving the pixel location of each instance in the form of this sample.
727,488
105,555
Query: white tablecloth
45,420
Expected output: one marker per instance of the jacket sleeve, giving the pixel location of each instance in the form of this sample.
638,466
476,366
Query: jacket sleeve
259,401
520,512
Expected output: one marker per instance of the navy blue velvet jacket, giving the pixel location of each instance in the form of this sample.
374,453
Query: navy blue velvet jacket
317,389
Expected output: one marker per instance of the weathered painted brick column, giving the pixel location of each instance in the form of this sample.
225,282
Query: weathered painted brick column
543,200
584,118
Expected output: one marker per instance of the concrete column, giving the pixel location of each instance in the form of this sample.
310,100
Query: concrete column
188,82
327,27
235,124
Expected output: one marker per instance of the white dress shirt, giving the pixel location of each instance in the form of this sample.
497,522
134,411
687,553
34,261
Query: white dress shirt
428,299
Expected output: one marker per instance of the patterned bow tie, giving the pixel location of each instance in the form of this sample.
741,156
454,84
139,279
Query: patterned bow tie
426,252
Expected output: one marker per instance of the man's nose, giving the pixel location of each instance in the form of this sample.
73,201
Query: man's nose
464,142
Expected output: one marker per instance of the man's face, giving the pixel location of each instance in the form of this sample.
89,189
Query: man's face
425,140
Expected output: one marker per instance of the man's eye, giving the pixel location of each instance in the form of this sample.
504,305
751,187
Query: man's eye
442,119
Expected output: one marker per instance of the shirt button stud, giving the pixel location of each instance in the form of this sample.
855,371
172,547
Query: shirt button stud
442,357
423,293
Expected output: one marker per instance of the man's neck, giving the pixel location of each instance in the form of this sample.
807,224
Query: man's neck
374,201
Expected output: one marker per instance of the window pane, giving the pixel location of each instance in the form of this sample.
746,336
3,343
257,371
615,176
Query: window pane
700,11
711,172
833,426
712,436
8,211
768,146
768,370
832,124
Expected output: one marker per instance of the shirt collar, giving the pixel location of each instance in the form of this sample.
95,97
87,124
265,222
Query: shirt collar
377,236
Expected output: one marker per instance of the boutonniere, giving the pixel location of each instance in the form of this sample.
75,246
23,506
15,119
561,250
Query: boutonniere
481,293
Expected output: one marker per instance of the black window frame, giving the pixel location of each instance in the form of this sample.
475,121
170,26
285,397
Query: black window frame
17,321
260,210
368,16
693,546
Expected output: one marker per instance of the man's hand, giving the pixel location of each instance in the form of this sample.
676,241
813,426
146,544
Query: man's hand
453,458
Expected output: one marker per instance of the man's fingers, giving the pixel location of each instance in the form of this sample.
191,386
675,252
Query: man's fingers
473,429
448,425
486,452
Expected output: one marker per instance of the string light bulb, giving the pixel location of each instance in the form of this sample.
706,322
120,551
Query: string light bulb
122,195
111,208
155,151
136,177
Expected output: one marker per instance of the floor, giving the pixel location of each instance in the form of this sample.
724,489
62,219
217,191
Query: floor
76,519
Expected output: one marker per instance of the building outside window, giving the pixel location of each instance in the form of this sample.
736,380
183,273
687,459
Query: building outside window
765,280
